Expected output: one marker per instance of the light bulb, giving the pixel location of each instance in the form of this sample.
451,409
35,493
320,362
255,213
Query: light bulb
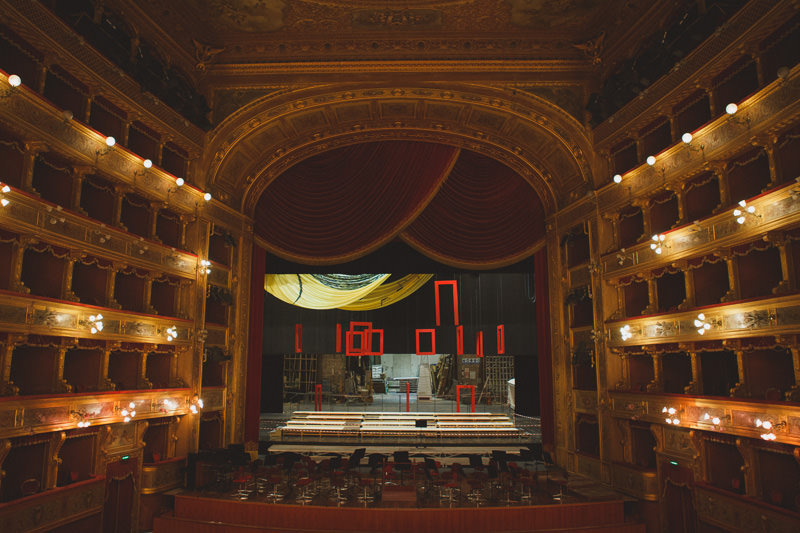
651,160
93,330
715,420
4,202
207,197
131,405
617,178
731,108
14,80
740,220
675,421
147,163
686,138
6,188
179,182
110,141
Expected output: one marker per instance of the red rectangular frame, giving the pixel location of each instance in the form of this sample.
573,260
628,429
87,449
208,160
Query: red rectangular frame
436,285
433,341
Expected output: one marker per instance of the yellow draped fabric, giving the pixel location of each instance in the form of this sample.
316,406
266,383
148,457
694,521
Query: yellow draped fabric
304,290
389,293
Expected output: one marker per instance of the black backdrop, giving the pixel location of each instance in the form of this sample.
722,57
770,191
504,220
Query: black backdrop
486,300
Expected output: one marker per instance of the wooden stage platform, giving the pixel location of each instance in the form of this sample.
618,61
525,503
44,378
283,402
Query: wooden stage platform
469,432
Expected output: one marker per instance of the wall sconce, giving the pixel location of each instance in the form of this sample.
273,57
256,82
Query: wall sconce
110,142
168,405
82,417
658,243
651,160
622,257
617,178
95,324
715,420
672,415
128,412
687,140
770,428
207,197
196,404
731,110
146,164
205,266
745,211
701,324
15,81
625,332
172,333
5,189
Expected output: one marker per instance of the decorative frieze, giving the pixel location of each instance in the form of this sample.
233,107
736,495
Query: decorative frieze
25,416
734,416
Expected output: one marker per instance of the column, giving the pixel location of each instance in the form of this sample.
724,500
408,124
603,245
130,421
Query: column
740,389
722,177
7,387
53,461
155,207
680,197
105,383
79,173
61,384
733,281
652,295
66,279
143,382
688,280
116,220
793,394
148,292
17,256
751,485
32,149
646,224
111,282
657,384
696,385
624,383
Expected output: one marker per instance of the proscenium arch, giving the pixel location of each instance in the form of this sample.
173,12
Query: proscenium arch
544,144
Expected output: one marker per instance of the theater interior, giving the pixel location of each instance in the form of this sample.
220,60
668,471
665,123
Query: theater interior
381,266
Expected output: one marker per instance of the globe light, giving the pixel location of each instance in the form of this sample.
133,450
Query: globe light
651,160
14,80
110,141
207,197
617,178
731,108
147,163
686,138
179,182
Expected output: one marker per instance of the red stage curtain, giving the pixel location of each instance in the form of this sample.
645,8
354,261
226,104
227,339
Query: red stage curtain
345,203
486,215
543,348
252,408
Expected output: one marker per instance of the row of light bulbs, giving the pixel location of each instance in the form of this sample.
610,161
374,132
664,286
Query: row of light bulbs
15,81
686,138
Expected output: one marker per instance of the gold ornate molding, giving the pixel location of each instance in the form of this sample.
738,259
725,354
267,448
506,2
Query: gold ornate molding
27,416
30,314
512,128
162,476
740,513
738,416
642,484
768,316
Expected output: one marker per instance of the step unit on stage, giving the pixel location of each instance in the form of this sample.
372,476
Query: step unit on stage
419,429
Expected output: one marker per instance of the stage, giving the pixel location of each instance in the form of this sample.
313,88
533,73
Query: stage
379,432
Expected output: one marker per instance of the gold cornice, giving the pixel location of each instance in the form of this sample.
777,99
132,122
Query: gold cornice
572,69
